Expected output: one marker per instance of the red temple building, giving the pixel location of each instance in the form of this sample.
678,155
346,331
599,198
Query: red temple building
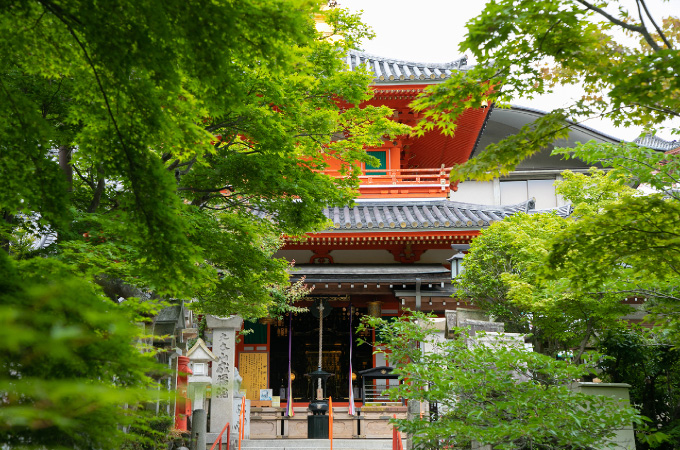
387,252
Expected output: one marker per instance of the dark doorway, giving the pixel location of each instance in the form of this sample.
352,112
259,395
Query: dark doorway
305,351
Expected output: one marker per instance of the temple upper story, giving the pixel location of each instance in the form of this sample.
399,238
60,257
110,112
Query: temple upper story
412,167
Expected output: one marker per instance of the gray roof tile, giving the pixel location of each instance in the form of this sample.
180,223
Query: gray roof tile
389,70
440,214
422,214
654,142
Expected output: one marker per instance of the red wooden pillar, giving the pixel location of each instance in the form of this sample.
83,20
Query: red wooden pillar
183,405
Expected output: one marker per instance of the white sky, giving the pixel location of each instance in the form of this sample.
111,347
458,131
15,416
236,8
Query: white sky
430,31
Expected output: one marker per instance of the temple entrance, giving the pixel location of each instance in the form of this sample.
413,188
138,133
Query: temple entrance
305,351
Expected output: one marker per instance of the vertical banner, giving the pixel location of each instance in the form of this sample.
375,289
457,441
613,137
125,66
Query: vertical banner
351,409
290,412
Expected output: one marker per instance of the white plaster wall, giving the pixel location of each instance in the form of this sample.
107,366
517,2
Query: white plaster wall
362,257
480,192
508,192
544,193
513,192
435,256
300,256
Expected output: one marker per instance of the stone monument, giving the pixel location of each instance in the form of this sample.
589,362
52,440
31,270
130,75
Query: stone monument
223,402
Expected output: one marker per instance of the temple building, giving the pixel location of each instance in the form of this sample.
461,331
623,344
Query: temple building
389,251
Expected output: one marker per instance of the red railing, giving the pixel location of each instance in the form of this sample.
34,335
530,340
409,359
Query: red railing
226,428
401,176
397,444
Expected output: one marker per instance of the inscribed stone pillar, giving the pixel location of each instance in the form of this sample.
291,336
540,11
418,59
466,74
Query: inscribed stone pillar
223,373
624,439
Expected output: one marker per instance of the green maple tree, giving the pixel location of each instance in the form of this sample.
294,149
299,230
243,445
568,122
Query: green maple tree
497,394
625,62
164,147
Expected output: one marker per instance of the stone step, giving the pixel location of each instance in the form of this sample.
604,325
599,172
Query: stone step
322,444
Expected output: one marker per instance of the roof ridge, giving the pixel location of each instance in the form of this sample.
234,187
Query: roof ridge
461,61
392,70
655,142
425,215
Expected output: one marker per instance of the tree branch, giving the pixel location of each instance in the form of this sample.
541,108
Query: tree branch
540,44
658,29
49,102
636,28
97,197
657,108
60,15
584,341
85,180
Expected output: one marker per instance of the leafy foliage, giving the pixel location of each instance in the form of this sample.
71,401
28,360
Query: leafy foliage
164,147
565,283
161,137
632,246
505,271
625,62
495,395
67,362
647,361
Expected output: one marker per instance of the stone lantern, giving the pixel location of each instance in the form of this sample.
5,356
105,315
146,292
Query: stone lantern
457,260
317,423
199,356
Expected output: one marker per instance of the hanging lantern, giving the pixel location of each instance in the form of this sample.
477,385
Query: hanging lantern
456,264
375,309
456,260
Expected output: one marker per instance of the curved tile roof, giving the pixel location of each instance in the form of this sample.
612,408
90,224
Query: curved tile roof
411,214
389,70
654,142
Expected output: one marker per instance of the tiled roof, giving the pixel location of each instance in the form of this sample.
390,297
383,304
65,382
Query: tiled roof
410,214
656,143
43,237
387,70
372,273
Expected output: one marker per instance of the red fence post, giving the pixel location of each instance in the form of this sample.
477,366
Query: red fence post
226,428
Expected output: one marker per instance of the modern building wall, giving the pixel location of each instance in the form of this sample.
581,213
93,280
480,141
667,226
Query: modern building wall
510,191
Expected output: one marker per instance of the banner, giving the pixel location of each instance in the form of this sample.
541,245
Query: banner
290,412
351,410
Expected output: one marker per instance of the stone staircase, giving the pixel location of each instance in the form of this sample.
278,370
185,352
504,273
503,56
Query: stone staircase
304,444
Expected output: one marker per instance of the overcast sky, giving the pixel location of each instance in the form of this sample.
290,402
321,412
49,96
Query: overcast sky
430,31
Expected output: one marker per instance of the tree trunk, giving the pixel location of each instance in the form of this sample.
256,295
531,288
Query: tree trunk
97,197
64,164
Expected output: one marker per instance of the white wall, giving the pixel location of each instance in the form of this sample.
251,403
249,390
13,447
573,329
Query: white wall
509,192
362,257
479,192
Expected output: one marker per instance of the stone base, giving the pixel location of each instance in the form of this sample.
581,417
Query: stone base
371,423
317,427
315,444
